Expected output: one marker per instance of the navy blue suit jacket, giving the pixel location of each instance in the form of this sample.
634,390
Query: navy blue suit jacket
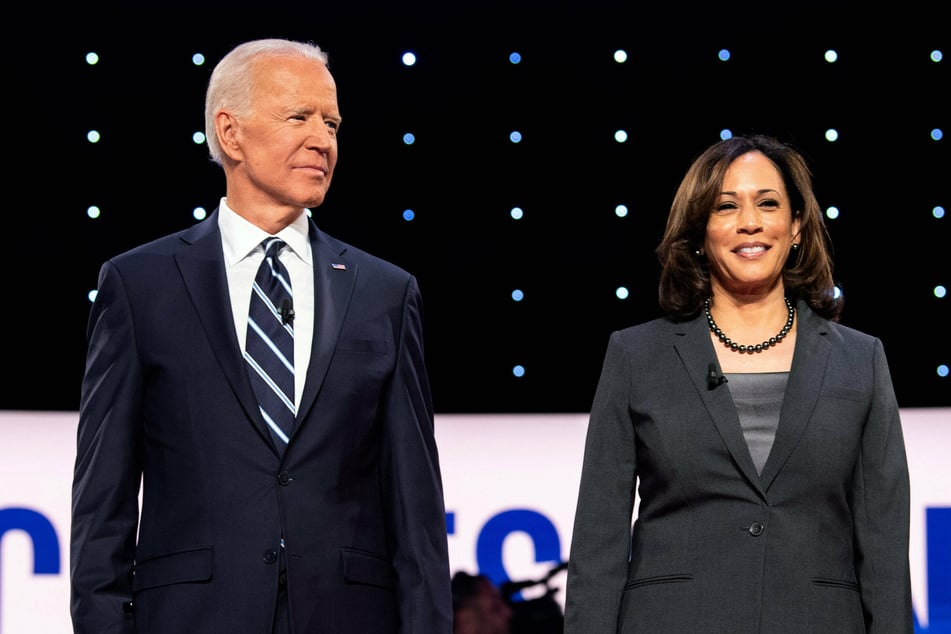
166,400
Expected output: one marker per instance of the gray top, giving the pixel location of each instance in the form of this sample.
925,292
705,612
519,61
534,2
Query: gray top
758,397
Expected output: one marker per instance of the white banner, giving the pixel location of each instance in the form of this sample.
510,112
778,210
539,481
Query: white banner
510,485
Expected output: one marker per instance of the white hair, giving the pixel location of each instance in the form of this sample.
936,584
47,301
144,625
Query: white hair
231,80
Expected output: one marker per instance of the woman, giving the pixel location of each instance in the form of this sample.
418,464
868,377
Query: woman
762,437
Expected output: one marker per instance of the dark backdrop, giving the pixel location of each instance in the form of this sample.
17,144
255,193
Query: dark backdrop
462,175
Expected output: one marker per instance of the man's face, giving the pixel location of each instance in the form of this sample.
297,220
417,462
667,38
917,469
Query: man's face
288,145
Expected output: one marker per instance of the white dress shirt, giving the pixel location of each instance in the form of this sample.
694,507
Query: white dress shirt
241,243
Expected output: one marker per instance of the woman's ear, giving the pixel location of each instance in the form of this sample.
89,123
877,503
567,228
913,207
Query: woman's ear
797,228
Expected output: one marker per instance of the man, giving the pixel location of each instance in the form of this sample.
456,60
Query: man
332,522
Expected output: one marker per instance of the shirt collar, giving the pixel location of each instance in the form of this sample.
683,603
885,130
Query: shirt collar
239,238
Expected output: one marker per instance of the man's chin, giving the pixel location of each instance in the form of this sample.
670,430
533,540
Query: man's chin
313,201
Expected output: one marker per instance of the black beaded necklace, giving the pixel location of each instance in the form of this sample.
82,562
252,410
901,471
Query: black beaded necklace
735,347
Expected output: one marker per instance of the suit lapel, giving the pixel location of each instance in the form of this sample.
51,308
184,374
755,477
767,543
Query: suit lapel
802,389
201,263
334,279
692,342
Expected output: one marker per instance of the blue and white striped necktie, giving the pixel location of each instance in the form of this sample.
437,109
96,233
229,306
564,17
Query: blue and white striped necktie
269,348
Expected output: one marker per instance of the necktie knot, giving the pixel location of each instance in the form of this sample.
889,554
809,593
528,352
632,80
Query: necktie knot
278,281
272,247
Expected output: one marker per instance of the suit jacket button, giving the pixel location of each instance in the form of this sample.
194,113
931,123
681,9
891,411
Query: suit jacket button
284,478
756,529
270,556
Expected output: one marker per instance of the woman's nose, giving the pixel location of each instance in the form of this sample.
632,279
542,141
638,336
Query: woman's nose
749,218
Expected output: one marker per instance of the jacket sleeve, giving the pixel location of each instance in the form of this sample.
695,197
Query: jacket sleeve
881,512
601,537
413,485
107,471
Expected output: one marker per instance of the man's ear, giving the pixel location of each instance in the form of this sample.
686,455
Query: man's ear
227,129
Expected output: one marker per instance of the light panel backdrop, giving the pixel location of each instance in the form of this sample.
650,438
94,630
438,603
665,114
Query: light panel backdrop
587,134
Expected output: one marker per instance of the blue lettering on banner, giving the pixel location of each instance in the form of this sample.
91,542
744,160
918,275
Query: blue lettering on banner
489,545
41,533
46,560
938,567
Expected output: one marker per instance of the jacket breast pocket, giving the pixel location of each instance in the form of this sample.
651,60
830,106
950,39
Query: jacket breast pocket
185,566
377,346
843,393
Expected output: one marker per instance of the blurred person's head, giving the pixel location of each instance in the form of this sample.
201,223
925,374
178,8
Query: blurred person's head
478,606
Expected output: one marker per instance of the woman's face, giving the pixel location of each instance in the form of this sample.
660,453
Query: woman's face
751,229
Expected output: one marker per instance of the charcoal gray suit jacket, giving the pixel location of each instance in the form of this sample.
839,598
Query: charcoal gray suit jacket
816,544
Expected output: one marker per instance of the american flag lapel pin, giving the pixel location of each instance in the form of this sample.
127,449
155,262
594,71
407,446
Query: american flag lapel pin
338,266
